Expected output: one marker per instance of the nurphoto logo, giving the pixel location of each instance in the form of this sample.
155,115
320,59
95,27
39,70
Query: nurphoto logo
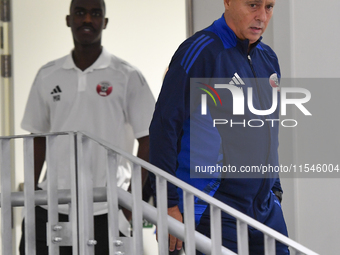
237,89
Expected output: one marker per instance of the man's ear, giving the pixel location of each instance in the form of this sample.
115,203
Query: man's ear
106,21
226,4
68,20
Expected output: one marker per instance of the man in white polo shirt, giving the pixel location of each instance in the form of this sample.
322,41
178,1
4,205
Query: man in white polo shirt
88,90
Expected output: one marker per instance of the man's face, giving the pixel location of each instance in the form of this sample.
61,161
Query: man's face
248,18
87,21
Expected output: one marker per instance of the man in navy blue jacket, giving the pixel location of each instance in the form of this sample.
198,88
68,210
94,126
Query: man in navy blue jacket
184,136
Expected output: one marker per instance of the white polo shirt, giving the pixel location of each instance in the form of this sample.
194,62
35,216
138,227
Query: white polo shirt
110,99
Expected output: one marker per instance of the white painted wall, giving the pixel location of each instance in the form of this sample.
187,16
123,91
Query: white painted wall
206,12
145,33
307,42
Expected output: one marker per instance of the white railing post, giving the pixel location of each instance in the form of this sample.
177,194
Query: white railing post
189,222
85,196
52,186
6,207
29,209
242,238
162,212
112,198
137,214
269,245
215,230
73,216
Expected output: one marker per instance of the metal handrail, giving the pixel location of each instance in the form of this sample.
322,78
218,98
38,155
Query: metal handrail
212,201
157,215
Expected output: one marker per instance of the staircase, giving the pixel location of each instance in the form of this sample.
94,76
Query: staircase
79,233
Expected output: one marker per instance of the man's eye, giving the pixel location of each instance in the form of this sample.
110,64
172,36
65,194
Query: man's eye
80,13
253,5
96,14
270,7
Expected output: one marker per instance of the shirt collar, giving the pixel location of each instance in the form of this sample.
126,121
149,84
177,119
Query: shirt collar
102,62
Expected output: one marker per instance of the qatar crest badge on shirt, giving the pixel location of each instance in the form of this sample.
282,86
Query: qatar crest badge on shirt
104,89
274,81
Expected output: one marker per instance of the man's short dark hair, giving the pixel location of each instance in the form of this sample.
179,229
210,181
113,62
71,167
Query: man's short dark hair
101,0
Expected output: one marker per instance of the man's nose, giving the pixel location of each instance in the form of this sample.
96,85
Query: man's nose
88,18
261,15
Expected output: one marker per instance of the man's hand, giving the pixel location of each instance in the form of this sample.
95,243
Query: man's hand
278,194
143,153
173,241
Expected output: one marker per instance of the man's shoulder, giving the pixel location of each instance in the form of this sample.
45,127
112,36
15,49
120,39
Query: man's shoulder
204,46
121,65
203,40
267,49
52,66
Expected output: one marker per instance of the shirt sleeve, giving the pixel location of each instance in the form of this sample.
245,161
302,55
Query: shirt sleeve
140,104
172,109
36,116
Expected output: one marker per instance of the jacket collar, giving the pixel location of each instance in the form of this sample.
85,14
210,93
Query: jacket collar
229,38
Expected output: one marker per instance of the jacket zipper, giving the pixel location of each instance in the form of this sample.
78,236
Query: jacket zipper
258,92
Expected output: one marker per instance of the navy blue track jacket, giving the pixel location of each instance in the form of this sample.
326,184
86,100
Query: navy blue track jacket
181,138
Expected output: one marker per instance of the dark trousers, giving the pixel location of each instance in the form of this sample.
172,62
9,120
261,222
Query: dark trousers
100,233
273,220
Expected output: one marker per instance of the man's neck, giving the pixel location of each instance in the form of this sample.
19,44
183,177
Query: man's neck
85,56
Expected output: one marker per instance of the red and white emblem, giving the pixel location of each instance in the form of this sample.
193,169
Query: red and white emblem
104,89
274,81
